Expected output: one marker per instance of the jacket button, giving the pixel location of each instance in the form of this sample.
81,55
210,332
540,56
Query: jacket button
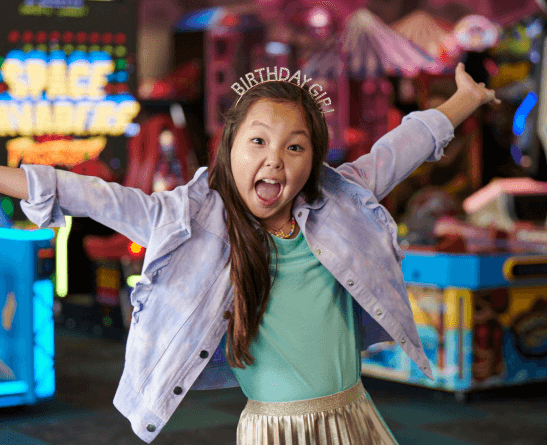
177,390
151,428
402,340
299,214
204,354
378,312
318,251
350,283
227,315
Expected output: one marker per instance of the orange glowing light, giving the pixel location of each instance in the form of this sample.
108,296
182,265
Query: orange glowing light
60,152
135,249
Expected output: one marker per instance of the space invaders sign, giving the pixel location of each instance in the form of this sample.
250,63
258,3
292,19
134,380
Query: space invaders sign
67,70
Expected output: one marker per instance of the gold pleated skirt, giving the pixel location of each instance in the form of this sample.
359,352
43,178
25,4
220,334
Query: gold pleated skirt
346,418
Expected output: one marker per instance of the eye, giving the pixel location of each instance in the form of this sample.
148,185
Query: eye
298,148
258,139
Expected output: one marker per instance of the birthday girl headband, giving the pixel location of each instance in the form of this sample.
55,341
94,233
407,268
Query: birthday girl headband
284,76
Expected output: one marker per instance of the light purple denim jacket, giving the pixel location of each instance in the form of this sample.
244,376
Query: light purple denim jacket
177,334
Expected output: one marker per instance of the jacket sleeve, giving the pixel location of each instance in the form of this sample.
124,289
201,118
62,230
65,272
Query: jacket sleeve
421,137
55,193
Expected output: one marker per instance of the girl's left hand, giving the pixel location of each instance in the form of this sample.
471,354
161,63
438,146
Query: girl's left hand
467,85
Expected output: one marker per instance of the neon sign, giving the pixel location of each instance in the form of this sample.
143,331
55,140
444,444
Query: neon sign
62,95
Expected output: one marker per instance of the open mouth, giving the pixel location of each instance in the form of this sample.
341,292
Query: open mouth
268,191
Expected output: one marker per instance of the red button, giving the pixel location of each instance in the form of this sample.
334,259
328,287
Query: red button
81,37
107,38
46,253
13,36
28,36
94,37
68,36
54,35
120,38
41,36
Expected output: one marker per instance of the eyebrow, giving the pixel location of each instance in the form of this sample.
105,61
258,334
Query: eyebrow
262,124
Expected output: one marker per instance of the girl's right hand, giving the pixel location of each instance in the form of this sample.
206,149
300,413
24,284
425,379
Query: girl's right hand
477,91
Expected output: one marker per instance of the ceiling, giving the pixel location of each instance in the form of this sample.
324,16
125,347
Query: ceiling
388,10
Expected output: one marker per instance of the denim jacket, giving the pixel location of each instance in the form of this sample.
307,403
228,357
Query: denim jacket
183,300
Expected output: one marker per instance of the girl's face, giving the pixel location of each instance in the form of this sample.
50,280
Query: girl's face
273,143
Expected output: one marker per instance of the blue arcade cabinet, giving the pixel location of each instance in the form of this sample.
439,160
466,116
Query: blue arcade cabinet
27,262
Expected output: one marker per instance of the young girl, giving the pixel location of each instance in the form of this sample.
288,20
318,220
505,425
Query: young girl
273,272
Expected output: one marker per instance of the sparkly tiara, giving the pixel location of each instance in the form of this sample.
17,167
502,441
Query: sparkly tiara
284,75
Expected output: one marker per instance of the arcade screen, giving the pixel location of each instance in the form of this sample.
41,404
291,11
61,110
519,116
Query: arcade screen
67,83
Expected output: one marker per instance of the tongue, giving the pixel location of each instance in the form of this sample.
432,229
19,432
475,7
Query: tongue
267,191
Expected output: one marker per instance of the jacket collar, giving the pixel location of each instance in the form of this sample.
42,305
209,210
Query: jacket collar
328,176
300,202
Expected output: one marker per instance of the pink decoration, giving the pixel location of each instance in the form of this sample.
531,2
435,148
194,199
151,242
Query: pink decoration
374,49
430,33
476,33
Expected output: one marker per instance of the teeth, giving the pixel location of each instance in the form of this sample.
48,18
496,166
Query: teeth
271,181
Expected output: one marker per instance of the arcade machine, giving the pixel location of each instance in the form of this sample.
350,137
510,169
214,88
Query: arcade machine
478,293
518,83
220,39
67,77
229,43
27,371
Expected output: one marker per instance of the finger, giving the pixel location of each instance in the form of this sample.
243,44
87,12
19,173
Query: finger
481,84
495,101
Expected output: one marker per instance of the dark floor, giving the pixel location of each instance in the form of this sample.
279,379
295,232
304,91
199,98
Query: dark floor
88,370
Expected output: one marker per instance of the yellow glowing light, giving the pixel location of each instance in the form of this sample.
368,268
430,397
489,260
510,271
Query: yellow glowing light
132,280
61,258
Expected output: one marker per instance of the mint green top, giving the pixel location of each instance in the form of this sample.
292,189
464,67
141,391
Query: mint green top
307,344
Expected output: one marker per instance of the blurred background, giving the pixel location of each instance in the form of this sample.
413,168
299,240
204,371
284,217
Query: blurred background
133,92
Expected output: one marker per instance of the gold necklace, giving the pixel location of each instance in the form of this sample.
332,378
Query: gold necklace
280,234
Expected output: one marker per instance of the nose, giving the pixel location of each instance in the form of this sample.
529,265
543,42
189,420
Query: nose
274,158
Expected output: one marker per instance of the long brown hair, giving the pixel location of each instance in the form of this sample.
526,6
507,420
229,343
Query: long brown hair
249,239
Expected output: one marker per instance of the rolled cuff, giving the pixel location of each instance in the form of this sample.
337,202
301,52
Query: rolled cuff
42,207
440,127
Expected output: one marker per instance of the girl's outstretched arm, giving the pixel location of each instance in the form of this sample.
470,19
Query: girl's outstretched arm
468,97
421,137
48,195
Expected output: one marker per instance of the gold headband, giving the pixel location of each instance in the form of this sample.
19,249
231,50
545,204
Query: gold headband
283,75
